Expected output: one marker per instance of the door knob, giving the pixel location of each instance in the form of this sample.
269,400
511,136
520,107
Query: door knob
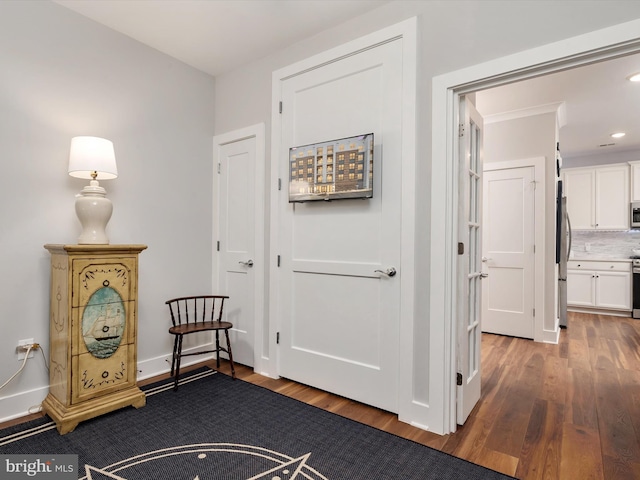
484,275
389,272
248,263
486,259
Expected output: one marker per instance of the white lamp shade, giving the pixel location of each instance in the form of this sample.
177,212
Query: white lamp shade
92,154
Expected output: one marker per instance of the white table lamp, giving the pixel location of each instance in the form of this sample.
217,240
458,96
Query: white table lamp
93,158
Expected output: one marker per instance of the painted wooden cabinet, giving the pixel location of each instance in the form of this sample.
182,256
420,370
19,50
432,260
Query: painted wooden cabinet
635,181
92,332
599,285
581,288
598,197
579,186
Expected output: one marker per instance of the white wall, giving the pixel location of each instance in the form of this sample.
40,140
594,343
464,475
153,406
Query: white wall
529,137
62,75
452,35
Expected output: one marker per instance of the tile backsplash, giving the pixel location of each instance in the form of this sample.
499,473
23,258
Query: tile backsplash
604,244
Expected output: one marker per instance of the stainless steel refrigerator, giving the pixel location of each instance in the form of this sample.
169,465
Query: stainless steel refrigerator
563,249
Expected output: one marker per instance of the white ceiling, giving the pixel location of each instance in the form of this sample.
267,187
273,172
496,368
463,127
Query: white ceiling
599,101
217,36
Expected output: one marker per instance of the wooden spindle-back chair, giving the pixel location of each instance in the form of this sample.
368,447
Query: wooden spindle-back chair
194,314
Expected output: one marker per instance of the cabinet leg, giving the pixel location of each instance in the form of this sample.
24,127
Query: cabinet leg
140,403
66,427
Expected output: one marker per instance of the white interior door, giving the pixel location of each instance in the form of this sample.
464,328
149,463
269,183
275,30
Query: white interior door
469,265
508,246
339,311
236,244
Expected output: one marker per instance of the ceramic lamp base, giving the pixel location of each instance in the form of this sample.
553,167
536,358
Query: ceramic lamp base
94,210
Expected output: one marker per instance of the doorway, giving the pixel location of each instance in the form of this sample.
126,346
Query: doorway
342,288
513,247
446,92
238,186
333,335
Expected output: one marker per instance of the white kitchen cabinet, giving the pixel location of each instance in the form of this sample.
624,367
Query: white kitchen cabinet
613,290
581,288
598,197
599,285
635,181
580,187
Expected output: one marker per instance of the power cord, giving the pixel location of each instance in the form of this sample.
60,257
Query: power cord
24,362
27,350
44,358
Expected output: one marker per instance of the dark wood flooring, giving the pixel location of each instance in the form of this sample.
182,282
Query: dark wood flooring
567,411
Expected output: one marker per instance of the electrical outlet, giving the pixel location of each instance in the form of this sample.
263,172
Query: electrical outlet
22,347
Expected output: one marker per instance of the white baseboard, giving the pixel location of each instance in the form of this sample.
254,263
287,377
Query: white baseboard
600,311
162,364
552,336
23,403
28,402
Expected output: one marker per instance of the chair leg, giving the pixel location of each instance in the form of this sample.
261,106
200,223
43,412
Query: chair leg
178,356
173,357
233,370
217,349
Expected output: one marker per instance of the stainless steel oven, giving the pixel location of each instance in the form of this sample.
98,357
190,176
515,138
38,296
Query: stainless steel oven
635,214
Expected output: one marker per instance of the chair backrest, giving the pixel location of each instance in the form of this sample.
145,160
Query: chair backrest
196,309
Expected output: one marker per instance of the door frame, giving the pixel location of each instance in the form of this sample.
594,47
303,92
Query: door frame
607,43
540,252
260,357
406,31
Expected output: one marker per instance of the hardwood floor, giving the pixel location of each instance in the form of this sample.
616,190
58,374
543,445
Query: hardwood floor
567,411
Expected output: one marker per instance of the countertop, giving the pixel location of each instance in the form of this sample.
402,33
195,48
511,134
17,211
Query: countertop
599,257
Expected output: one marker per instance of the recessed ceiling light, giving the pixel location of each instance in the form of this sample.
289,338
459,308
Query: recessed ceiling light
635,77
618,135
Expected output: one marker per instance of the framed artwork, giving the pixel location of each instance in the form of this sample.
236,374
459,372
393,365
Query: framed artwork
332,170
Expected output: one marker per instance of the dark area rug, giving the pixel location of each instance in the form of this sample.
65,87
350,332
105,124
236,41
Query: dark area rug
217,428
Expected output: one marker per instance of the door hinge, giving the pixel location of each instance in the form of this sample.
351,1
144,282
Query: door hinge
279,184
458,378
218,245
461,129
277,338
460,248
218,167
280,107
278,260
534,249
534,312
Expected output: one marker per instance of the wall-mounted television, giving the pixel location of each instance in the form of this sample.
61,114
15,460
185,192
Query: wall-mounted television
332,170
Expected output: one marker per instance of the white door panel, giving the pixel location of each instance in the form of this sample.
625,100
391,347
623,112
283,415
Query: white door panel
470,275
509,219
349,99
237,238
358,222
354,319
339,327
